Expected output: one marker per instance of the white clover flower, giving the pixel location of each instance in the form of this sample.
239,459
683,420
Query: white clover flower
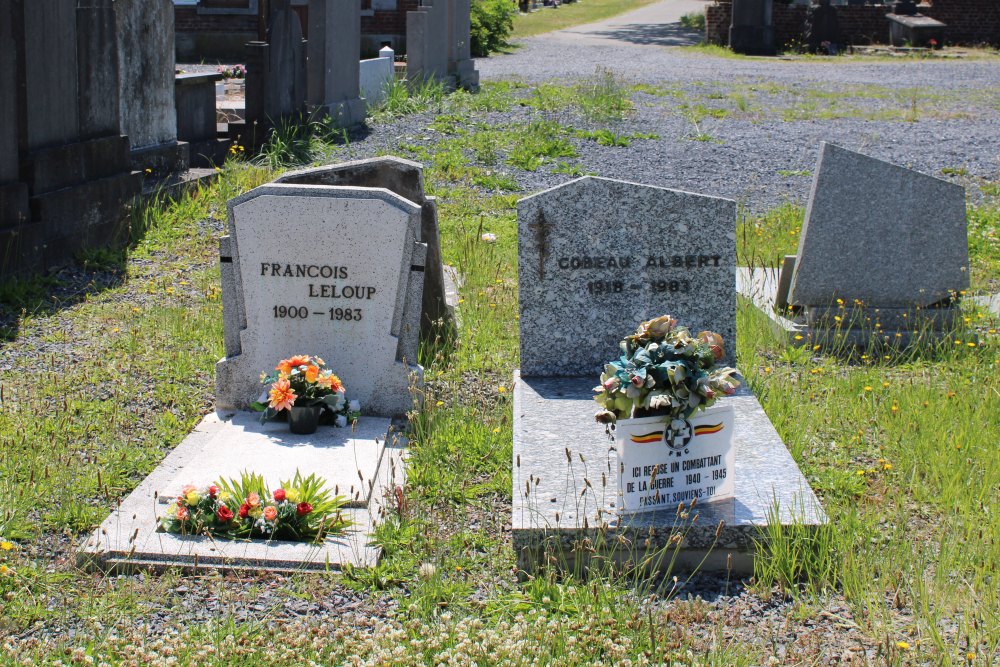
489,238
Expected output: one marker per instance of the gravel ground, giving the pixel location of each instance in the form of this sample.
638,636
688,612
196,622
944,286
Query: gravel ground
744,164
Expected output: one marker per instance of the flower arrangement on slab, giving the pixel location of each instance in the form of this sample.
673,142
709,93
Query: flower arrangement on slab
302,510
303,381
664,371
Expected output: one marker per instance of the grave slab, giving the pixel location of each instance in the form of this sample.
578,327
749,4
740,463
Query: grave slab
130,538
347,458
596,257
565,486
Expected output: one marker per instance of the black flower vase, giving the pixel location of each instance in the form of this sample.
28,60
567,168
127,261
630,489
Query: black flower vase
303,420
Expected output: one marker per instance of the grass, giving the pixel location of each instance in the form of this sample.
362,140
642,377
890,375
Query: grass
571,14
901,450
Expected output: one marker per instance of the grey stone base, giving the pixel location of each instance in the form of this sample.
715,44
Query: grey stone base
466,74
565,488
210,153
858,328
165,158
344,113
130,538
177,184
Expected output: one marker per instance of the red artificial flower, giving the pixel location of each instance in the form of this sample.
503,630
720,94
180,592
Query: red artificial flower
279,495
224,514
213,491
244,510
304,508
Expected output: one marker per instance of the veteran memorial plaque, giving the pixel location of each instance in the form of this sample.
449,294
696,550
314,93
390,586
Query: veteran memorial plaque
662,466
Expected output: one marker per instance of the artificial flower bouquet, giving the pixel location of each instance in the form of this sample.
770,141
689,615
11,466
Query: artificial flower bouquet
301,510
664,370
305,381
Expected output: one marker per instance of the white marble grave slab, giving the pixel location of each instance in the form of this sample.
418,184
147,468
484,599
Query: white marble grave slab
346,458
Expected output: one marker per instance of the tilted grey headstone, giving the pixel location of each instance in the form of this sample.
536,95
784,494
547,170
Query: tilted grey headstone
598,256
406,179
880,234
330,271
334,77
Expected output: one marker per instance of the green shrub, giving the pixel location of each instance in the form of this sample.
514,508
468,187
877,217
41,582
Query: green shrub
694,21
492,22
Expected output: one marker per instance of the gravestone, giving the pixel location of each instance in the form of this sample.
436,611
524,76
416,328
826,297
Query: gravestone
595,258
889,242
145,32
752,29
71,157
331,271
822,29
406,179
194,96
460,63
13,193
334,78
427,47
276,71
628,252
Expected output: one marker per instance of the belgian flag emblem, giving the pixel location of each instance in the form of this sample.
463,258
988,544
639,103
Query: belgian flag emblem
647,438
708,429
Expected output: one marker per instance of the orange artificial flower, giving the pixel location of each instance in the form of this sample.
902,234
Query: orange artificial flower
270,513
331,382
286,366
312,372
281,395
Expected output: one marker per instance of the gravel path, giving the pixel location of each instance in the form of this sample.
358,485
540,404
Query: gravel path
749,154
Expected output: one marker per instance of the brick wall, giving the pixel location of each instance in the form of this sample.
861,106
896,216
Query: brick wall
969,22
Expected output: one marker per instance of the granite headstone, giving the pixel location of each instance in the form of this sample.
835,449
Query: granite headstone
881,235
597,256
331,271
427,47
334,77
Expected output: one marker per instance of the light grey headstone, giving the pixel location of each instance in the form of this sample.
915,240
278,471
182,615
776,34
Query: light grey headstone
427,44
882,234
597,256
334,48
348,261
145,31
460,63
